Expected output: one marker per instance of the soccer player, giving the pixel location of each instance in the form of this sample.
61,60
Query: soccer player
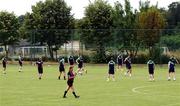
4,62
39,64
71,61
20,63
120,61
79,61
151,67
61,68
171,66
71,76
128,66
111,65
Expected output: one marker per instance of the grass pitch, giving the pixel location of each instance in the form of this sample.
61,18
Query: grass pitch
25,89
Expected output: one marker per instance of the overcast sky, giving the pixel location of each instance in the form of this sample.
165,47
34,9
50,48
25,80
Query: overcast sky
20,7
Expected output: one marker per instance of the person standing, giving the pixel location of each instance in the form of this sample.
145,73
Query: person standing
70,81
61,68
39,64
71,61
171,65
120,62
111,72
128,66
20,63
151,67
4,62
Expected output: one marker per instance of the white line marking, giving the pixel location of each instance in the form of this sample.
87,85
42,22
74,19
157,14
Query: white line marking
136,90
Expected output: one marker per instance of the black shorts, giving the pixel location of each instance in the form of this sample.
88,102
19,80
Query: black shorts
80,66
4,65
20,63
61,69
119,64
171,70
71,63
128,67
111,72
70,83
40,70
151,71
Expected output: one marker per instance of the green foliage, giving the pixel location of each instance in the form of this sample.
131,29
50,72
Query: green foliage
96,26
8,29
172,42
173,17
50,21
153,21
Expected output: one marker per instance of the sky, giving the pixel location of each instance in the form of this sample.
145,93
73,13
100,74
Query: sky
20,7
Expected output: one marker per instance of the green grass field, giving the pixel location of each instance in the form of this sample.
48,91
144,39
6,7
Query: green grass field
25,89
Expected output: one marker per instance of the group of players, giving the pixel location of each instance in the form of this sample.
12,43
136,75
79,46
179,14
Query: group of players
150,64
111,70
71,74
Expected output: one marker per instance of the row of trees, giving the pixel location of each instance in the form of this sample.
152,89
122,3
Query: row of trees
51,22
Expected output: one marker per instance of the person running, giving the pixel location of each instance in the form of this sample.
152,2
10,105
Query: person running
128,66
171,66
4,62
111,72
151,67
61,68
120,61
80,63
39,64
71,76
20,63
71,61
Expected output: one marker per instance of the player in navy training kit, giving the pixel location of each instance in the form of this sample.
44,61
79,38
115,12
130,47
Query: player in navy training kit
4,62
20,63
171,66
61,68
128,66
71,76
120,61
111,72
79,61
71,61
39,64
151,67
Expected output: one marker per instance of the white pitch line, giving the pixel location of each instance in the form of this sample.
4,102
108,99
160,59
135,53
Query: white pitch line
174,104
135,90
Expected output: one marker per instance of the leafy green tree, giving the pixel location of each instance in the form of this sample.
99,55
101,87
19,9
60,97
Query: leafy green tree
123,24
9,26
150,22
50,23
96,27
173,17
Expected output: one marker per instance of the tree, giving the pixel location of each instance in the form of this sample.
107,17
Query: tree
9,26
96,27
51,22
173,17
150,22
123,24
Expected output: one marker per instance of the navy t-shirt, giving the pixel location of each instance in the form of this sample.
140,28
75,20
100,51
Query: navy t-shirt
39,63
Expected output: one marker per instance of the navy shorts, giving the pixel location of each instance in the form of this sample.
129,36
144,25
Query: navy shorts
151,71
20,63
61,69
128,67
111,72
40,70
171,70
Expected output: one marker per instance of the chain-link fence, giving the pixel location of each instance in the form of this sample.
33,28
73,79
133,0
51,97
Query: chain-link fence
96,45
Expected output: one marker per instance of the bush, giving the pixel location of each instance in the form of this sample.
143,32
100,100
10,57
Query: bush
98,58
